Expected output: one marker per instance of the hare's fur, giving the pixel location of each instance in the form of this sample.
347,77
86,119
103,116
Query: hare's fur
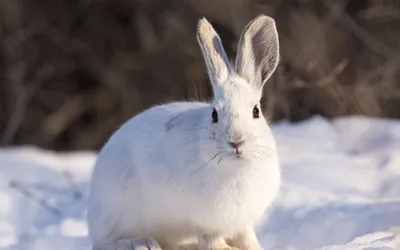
170,174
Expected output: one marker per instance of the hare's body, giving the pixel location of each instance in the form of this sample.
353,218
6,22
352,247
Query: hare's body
194,170
143,191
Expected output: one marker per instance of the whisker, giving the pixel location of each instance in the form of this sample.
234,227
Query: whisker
261,147
205,164
264,147
210,149
220,159
202,138
257,154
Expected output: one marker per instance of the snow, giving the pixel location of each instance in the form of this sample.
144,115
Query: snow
341,190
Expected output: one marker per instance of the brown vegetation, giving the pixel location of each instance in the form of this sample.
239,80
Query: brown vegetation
73,70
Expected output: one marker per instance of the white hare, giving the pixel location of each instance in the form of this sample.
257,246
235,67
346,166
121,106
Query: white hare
193,170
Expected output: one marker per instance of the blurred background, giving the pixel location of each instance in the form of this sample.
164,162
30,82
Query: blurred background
72,71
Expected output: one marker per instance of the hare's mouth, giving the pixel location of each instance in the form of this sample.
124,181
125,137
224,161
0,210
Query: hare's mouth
238,155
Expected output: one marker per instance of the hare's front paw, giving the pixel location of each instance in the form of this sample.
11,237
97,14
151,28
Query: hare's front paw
211,242
246,240
246,245
197,247
145,244
227,247
219,247
142,244
251,247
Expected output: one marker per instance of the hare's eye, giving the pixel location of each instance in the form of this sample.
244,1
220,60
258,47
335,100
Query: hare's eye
214,116
256,112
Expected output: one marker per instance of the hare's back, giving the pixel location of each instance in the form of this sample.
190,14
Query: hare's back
158,123
144,140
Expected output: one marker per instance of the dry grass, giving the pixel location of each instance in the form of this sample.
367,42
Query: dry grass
74,70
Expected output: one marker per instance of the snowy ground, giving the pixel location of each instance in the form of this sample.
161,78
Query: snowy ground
341,190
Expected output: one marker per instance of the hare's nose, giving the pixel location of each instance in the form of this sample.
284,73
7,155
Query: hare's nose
236,145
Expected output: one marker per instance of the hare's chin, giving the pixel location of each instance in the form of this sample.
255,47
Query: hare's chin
242,156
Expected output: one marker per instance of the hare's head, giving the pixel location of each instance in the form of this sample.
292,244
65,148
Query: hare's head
235,116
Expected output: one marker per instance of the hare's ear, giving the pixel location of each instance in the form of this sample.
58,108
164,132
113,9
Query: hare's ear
218,65
258,51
